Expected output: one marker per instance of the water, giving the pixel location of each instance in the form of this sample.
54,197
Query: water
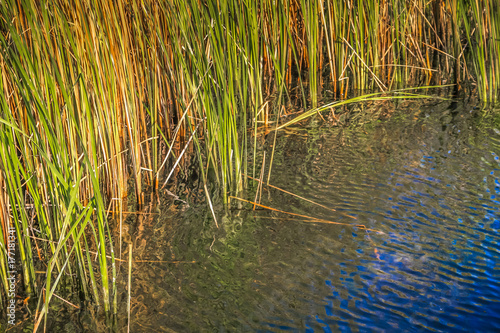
427,185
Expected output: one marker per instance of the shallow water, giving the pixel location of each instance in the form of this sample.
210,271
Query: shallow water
429,188
426,185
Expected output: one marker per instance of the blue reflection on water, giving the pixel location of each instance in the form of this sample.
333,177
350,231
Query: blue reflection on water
448,281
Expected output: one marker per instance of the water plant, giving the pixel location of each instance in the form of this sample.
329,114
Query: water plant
101,98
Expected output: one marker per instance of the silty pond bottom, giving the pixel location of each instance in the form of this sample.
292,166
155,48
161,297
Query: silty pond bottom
428,186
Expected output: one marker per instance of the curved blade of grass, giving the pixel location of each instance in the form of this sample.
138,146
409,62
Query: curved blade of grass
396,94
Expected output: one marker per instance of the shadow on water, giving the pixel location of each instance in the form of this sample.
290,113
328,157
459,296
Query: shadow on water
428,180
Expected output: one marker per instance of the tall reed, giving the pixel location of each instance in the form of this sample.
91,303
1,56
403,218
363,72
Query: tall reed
96,95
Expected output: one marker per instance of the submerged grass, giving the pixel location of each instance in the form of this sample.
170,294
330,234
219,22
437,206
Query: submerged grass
98,94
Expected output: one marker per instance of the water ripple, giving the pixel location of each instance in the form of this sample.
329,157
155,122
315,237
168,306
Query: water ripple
432,191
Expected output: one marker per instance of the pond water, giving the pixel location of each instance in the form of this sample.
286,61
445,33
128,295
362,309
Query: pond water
426,183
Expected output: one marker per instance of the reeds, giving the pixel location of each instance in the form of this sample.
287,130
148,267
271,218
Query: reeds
97,92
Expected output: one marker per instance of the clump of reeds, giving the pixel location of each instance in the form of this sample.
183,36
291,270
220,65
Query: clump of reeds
95,92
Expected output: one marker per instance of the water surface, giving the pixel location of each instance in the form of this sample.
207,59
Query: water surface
427,183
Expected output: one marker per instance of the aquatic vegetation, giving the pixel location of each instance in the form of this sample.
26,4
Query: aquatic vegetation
101,98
